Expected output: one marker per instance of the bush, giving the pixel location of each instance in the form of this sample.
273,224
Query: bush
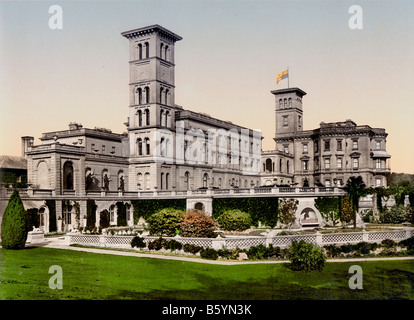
396,214
165,222
234,220
364,247
231,254
173,245
306,256
409,244
197,224
287,211
209,253
157,244
14,226
388,243
333,251
191,248
138,242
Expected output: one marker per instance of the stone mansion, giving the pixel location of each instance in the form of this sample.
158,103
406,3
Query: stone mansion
169,150
93,159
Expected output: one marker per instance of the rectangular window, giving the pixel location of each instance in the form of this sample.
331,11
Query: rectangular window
92,147
378,182
327,163
355,163
339,145
327,145
378,163
103,148
285,121
305,165
378,145
305,148
339,163
327,183
286,148
316,146
354,144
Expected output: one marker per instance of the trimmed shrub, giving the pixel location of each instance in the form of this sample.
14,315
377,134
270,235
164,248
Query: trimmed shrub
306,257
157,244
234,220
192,248
209,253
138,242
409,244
145,208
173,245
332,251
364,247
165,222
14,224
197,224
388,243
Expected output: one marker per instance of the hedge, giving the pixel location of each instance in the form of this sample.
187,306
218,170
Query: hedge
264,210
147,207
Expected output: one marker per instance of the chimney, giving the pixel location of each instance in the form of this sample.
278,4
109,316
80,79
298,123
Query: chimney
27,143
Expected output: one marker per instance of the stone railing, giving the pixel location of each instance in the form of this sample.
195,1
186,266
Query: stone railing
247,242
233,192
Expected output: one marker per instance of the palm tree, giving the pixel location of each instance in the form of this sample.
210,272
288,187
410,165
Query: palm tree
355,188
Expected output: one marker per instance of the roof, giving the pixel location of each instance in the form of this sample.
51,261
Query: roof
12,162
151,29
380,154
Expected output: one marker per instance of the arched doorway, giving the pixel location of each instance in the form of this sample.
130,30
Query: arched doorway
308,217
199,206
68,176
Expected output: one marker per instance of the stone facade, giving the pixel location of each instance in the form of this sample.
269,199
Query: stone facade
326,156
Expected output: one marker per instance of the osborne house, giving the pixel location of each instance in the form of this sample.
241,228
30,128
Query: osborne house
168,151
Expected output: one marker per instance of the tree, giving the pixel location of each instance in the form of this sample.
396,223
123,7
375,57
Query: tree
165,222
197,224
355,188
14,226
287,211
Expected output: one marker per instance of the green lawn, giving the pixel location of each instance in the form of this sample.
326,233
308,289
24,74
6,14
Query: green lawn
24,275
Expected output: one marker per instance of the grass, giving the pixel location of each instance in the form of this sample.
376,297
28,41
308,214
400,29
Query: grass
24,275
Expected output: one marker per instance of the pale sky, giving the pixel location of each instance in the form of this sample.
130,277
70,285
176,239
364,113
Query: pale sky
226,64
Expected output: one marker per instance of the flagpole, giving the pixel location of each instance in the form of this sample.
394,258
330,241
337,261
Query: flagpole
288,76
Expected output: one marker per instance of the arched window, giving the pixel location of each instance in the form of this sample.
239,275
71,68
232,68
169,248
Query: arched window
280,165
146,50
219,183
147,95
166,53
112,213
269,165
139,181
290,102
68,176
147,146
285,103
162,181
287,166
139,118
138,96
140,51
161,94
161,115
161,50
205,180
166,96
139,145
187,180
280,104
162,146
147,117
167,115
167,176
147,181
